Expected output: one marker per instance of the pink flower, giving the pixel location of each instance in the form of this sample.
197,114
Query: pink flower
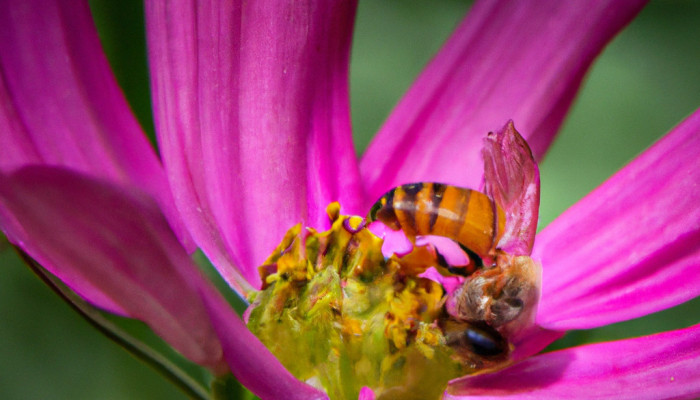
628,249
252,116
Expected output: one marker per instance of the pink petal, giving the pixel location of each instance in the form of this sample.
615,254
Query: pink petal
519,60
629,248
449,283
366,394
253,120
61,105
661,366
512,179
114,248
448,248
533,340
395,242
250,361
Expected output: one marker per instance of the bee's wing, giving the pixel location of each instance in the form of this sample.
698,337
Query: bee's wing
512,179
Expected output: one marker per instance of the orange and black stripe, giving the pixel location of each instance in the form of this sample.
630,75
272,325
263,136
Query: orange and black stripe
466,216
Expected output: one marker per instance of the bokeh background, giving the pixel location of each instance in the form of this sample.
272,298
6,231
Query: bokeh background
644,83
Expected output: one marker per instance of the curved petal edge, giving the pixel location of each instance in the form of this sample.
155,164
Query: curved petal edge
630,247
508,60
61,105
114,248
664,365
251,109
250,361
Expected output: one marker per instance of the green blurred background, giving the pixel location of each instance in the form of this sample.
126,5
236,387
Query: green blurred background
644,83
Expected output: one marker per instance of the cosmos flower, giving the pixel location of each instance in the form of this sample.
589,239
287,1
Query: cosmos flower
251,109
629,248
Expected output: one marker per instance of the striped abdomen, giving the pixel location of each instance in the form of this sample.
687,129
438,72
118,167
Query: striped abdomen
463,215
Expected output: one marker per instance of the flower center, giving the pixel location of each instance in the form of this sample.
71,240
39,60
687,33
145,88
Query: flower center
339,314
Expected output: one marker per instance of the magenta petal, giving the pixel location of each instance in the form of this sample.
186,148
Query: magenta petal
662,366
61,105
533,340
253,120
395,242
250,361
519,60
366,394
512,179
112,247
629,248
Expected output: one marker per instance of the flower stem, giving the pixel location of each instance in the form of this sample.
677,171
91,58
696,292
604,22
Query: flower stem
226,387
137,348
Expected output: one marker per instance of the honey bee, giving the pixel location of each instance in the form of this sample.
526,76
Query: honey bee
466,216
476,344
333,302
495,300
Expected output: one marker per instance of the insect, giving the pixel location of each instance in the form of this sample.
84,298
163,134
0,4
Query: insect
497,295
334,308
468,217
475,342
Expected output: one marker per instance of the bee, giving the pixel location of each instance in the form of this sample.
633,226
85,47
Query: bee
394,327
470,218
475,342
504,296
495,299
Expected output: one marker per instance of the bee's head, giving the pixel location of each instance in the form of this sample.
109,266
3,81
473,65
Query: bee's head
476,344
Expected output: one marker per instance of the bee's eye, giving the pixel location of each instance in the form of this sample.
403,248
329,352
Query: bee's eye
485,341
